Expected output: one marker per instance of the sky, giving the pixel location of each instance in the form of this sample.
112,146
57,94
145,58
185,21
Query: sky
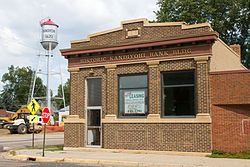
20,29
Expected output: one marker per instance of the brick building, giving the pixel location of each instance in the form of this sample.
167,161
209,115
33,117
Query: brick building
146,86
4,113
230,110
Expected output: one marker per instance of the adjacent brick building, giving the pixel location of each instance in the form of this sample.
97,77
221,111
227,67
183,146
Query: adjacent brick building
146,86
230,111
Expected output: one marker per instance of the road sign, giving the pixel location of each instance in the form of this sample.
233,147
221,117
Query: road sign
45,115
33,106
33,118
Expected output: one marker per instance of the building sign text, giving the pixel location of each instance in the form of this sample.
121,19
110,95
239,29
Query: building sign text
134,102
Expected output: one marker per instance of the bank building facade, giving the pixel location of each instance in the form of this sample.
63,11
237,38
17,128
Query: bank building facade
153,86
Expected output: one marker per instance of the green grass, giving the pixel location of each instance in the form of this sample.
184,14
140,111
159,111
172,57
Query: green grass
49,148
223,154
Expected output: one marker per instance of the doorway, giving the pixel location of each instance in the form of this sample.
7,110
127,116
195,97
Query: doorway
93,114
94,127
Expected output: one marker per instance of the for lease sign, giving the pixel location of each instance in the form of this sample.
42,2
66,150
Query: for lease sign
134,102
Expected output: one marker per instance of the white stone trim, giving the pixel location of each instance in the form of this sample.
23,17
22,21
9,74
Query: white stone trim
156,118
74,119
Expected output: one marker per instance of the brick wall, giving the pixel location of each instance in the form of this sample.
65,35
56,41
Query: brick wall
4,113
165,137
228,128
119,37
74,135
230,98
161,137
230,87
236,48
73,93
154,88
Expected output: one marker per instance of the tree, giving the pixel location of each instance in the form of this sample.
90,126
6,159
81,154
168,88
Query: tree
66,89
230,18
16,89
7,101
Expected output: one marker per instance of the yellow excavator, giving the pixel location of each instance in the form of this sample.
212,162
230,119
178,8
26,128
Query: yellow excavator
6,120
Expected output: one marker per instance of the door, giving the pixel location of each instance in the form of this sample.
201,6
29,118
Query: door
93,129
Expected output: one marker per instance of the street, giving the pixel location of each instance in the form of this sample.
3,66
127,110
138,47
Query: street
14,141
9,163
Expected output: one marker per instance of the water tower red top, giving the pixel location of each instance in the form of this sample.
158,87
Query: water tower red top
49,22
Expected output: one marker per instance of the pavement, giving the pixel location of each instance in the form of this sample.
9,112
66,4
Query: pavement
104,157
16,141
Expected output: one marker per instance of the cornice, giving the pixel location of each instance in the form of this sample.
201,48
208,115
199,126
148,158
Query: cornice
141,44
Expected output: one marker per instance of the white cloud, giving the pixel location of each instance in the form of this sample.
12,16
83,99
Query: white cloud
10,41
13,50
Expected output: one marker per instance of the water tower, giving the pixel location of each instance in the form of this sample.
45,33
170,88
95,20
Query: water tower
49,42
49,35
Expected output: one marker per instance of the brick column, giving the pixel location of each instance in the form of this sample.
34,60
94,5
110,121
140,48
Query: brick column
74,127
111,88
154,91
81,94
202,85
74,77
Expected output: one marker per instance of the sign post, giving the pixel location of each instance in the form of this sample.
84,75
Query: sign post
33,120
45,117
33,107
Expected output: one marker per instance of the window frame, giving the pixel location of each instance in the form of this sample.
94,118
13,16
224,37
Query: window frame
135,89
87,91
181,85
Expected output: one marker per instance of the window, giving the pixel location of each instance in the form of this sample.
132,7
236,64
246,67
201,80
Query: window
94,88
133,95
178,93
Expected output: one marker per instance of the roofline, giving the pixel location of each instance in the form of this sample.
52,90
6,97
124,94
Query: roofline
230,49
168,41
229,72
146,24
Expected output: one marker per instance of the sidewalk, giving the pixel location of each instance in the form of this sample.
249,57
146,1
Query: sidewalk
128,158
